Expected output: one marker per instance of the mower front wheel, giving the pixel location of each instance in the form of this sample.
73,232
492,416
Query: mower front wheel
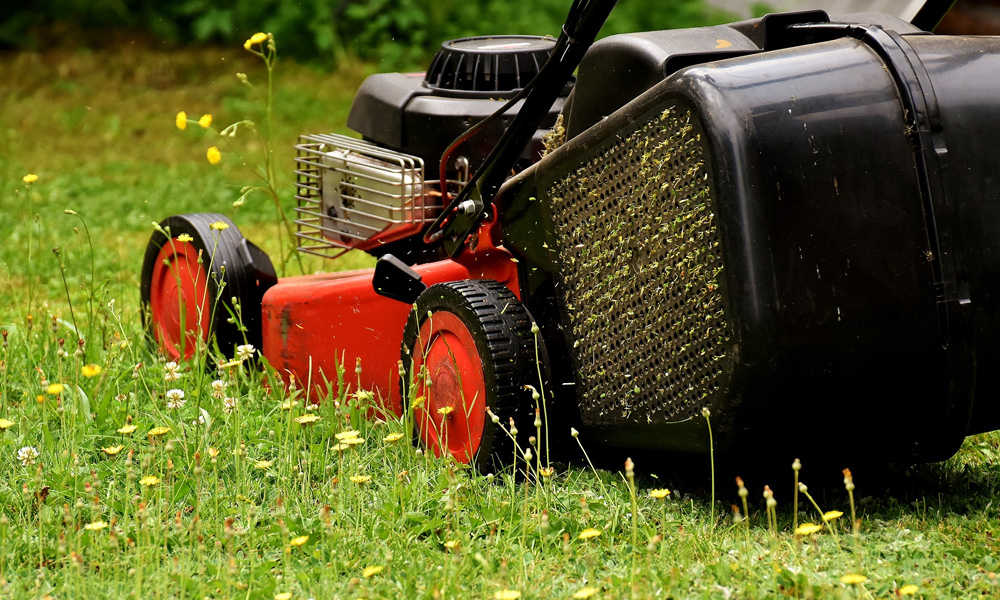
467,347
195,267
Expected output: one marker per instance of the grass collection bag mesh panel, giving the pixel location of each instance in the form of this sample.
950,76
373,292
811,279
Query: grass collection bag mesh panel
640,263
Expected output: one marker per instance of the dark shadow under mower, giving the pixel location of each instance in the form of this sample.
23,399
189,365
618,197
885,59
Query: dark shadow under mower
792,221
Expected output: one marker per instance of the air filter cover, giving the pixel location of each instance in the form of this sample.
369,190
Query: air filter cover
495,67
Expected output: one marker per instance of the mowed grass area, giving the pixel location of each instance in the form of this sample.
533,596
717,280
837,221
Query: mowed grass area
116,487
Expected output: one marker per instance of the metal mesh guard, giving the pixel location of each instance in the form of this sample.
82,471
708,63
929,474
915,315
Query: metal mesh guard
350,191
640,268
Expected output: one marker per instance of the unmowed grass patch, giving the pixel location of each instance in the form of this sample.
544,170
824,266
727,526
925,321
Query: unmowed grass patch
129,476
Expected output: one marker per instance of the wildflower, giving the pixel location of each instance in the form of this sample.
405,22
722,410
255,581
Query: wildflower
90,370
361,478
185,238
283,596
288,404
30,178
392,437
205,121
589,533
573,432
95,526
848,480
214,157
807,529
305,420
175,399
229,405
507,595
181,120
446,410
170,372
659,493
257,38
121,397
6,424
219,389
547,472
585,592
27,455
346,435
112,450
302,539
451,544
853,579
243,351
832,515
213,452
54,389
263,465
908,590
372,571
158,431
353,441
127,429
339,447
149,480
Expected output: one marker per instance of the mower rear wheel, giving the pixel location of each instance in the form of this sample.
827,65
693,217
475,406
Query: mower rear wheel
195,267
467,347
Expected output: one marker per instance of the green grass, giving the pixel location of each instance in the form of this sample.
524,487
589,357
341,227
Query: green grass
98,129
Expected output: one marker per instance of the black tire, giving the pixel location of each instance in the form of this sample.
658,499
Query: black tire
500,330
230,267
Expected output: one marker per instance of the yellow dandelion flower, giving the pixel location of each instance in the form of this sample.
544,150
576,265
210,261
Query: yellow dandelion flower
185,238
547,471
283,596
263,465
112,450
588,533
257,38
353,441
451,544
127,429
659,494
446,410
361,478
30,178
54,389
372,571
95,526
214,157
585,592
298,541
832,515
40,399
157,431
340,447
392,437
346,435
149,480
205,121
181,120
306,419
507,595
213,452
908,590
807,529
90,370
6,423
853,579
287,404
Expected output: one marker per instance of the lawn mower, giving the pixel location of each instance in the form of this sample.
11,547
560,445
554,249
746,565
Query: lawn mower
789,225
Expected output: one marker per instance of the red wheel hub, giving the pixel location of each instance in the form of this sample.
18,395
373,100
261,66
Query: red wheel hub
178,300
453,413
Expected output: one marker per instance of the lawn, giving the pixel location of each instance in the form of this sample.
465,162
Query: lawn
117,486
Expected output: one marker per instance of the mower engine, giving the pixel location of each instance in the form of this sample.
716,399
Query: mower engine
788,222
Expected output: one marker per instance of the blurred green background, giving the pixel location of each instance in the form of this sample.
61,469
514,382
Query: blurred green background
392,32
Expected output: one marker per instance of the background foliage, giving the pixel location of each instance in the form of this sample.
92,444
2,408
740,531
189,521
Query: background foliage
392,31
